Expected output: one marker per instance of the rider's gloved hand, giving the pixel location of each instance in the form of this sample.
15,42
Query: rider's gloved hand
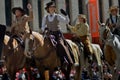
45,31
63,12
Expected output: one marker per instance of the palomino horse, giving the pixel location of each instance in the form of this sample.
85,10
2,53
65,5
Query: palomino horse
111,49
14,57
95,56
45,56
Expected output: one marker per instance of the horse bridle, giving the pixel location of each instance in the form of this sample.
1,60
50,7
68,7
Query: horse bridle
15,46
105,34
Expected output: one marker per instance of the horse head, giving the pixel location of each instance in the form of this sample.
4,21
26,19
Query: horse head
104,31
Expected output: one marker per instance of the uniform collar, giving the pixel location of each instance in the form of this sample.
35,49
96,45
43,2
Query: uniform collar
52,14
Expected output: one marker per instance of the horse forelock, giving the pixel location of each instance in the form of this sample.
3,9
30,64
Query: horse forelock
9,42
6,39
39,37
104,30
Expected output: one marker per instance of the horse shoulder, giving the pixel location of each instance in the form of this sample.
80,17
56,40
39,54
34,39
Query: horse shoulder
110,55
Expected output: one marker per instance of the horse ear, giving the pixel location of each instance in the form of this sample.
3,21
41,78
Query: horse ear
99,23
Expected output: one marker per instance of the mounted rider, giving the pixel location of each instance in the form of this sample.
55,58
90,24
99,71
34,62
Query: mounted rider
113,21
82,31
50,23
20,26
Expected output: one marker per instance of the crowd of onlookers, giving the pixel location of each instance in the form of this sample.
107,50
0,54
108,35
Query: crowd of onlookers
96,73
22,74
3,73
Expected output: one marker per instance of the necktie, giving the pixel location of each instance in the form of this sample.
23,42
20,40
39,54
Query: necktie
51,15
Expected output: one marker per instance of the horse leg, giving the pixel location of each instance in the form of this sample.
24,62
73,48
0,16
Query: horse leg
90,72
12,74
117,74
113,72
66,70
46,73
29,73
68,73
100,67
78,70
101,71
109,55
78,73
97,55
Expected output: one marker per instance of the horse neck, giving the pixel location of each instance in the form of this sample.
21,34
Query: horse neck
110,35
48,44
46,51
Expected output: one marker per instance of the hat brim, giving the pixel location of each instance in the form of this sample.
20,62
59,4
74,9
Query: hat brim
113,10
49,6
46,8
18,8
82,16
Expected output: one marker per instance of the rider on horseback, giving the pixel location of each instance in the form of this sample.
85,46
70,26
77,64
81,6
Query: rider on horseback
113,21
20,27
51,23
82,31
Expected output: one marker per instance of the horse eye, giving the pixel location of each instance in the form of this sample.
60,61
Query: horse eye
102,25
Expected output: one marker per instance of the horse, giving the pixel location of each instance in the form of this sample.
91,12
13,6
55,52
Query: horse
111,49
13,55
46,57
94,56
